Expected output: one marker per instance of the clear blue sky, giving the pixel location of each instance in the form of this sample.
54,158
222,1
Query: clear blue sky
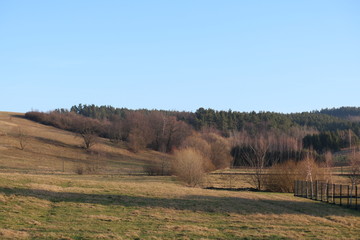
283,56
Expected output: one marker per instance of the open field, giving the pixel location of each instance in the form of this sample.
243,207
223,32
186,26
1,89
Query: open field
129,207
42,198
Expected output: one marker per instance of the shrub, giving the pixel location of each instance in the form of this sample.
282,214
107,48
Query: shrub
189,166
281,177
203,147
309,170
219,150
79,169
161,168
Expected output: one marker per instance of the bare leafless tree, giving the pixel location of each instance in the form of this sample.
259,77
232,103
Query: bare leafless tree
138,130
89,138
354,171
22,138
328,165
167,132
87,129
254,155
258,160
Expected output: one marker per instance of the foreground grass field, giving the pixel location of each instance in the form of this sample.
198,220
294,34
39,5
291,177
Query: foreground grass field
105,207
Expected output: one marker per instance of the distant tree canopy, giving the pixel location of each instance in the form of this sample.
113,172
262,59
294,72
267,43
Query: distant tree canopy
227,121
325,130
330,141
343,112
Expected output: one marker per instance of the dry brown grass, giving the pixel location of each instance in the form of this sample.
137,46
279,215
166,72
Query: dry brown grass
128,207
13,234
50,150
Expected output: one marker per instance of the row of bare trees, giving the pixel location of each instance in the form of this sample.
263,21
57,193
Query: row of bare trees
155,130
262,149
140,129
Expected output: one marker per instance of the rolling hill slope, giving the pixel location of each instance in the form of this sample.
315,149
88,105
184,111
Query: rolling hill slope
51,150
41,200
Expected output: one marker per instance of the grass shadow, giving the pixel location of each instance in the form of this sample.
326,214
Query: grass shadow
195,203
18,116
56,143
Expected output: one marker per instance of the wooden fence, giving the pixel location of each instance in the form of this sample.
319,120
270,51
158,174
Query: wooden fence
343,195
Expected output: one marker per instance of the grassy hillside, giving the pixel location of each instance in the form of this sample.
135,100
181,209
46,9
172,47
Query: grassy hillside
51,150
38,200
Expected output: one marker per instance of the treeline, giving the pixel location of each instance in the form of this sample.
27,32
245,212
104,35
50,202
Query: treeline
224,121
140,129
228,121
217,134
342,112
144,129
327,128
330,141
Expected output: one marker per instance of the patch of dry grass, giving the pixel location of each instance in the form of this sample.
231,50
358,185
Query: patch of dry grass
13,234
119,207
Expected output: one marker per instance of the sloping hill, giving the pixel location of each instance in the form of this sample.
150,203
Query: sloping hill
51,150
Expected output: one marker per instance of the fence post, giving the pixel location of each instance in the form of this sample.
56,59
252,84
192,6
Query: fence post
298,187
302,189
348,195
340,194
356,195
307,189
321,192
327,192
312,189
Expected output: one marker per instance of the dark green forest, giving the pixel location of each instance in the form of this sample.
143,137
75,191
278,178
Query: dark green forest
286,135
225,121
